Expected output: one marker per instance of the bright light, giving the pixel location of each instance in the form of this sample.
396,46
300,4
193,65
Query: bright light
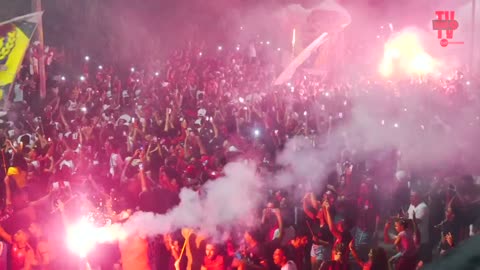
382,122
386,68
422,64
132,69
156,73
63,78
404,56
81,238
84,109
256,132
468,82
292,89
241,99
238,48
392,53
340,115
345,103
241,28
378,36
390,25
82,78
305,113
87,58
278,49
100,67
220,48
268,42
395,125
404,109
327,94
200,54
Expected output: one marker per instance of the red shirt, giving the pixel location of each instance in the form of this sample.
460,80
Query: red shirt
18,257
134,253
216,263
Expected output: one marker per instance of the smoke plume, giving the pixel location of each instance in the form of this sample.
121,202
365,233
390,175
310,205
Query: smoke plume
221,204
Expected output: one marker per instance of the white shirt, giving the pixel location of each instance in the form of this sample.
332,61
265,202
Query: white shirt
18,93
116,162
421,213
289,266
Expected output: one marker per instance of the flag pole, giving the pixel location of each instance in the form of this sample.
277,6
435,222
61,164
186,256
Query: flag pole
37,7
294,39
472,46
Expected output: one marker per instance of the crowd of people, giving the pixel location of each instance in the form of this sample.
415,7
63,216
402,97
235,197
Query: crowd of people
113,141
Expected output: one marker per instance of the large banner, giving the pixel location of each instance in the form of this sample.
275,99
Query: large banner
318,26
15,36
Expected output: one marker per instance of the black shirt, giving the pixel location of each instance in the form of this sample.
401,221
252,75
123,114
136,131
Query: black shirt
257,255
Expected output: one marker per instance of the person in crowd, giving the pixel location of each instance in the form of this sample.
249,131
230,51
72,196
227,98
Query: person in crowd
16,181
450,230
22,256
339,261
367,220
420,209
322,238
255,254
280,259
134,253
406,257
377,258
230,254
340,231
41,246
272,220
213,260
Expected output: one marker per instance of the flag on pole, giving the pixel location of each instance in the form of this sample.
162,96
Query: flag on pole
321,21
15,36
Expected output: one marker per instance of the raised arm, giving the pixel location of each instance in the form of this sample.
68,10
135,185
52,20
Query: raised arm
354,253
5,236
306,209
386,235
330,223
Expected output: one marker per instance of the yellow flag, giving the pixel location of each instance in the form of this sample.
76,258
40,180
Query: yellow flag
15,36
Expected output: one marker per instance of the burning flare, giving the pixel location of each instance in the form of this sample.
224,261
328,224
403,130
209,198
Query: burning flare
83,236
404,55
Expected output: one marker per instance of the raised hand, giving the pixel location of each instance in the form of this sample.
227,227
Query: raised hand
449,239
351,245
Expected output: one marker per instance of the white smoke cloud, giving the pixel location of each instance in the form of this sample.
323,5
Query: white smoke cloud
305,165
226,202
